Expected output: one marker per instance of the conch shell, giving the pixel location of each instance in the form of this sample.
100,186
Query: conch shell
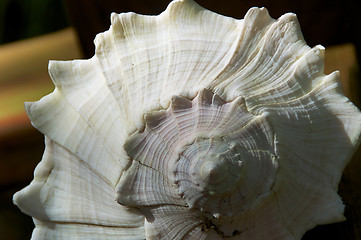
191,125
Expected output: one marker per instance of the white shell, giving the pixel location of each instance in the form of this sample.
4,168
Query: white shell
191,125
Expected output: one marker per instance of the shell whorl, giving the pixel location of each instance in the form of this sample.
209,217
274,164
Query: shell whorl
193,142
212,156
200,126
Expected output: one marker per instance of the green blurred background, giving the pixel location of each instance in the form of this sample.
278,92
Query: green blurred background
21,19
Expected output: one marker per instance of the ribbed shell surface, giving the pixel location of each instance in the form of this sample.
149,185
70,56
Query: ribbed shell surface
191,125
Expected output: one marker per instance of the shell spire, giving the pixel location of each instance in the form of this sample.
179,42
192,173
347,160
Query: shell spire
191,125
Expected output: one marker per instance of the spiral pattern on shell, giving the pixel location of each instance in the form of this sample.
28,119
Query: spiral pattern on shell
191,125
208,155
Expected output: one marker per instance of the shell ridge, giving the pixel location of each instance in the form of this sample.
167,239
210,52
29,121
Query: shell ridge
307,91
175,12
126,187
142,161
187,79
164,216
94,129
46,180
199,126
236,60
224,57
51,133
87,116
49,230
250,76
116,36
258,49
205,99
322,84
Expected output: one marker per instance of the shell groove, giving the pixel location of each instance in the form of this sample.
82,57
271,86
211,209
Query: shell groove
200,126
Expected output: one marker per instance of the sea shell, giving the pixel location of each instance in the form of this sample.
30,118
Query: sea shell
191,125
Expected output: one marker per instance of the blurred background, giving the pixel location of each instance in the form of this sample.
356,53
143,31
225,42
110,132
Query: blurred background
34,31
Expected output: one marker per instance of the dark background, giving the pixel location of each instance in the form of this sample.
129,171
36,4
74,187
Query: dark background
328,23
325,22
21,19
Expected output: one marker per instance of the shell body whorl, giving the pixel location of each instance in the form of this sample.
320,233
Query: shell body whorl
191,125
